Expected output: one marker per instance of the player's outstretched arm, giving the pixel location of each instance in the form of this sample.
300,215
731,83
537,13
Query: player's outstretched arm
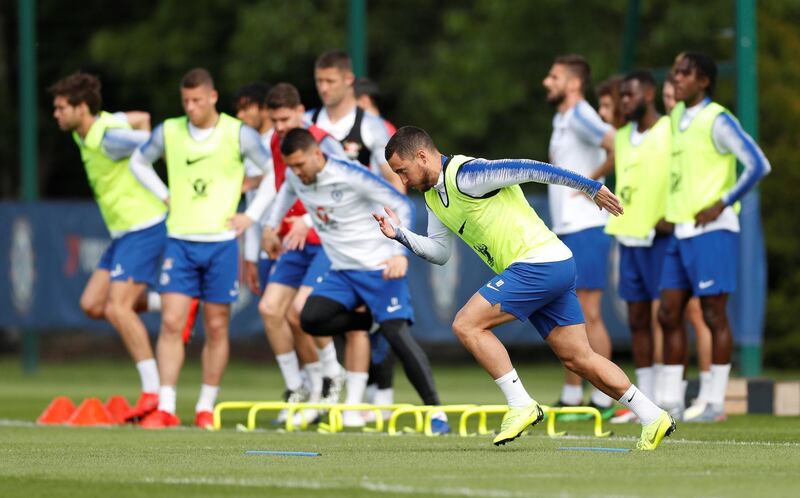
479,177
435,248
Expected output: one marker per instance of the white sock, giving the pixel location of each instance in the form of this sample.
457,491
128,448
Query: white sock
638,403
290,369
515,394
356,384
601,399
684,387
705,386
658,383
384,396
314,373
372,389
153,301
645,378
166,399
330,364
572,394
672,379
719,384
207,398
148,373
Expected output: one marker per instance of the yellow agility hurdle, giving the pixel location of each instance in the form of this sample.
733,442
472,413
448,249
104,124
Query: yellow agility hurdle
336,424
553,411
417,411
428,431
230,405
482,412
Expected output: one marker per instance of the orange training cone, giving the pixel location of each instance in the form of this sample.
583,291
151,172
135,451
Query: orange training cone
91,412
57,412
118,407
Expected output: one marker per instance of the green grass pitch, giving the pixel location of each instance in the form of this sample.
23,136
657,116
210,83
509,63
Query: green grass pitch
745,456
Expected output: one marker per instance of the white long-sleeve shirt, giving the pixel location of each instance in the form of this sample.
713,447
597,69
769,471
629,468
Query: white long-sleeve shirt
340,203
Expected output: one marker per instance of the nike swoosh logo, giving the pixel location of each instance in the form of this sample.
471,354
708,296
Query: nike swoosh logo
515,380
392,309
461,230
705,284
489,285
632,395
189,162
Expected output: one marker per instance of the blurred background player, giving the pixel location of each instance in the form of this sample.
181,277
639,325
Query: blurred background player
642,154
362,134
204,151
117,289
250,104
483,203
367,96
366,269
702,257
693,314
608,102
380,386
301,263
583,143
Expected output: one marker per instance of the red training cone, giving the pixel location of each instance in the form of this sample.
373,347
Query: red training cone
118,407
57,412
91,412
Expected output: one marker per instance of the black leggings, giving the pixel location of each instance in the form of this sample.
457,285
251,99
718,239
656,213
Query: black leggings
322,316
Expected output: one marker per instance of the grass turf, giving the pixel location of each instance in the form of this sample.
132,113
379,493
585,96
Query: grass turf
744,456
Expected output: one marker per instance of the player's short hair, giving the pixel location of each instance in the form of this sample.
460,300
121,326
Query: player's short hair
251,93
297,139
334,58
609,87
283,95
78,88
644,77
578,66
407,141
197,77
704,65
365,86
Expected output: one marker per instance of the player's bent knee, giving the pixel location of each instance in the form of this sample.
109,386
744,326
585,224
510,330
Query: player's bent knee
92,308
312,320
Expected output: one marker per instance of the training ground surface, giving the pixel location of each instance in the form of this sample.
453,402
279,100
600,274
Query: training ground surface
745,456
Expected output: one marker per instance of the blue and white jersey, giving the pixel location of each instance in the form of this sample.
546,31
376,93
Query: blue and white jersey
575,146
340,203
729,138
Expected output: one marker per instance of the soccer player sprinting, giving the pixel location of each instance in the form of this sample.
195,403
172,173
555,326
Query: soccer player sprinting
583,143
702,258
365,267
642,162
301,264
134,217
204,152
482,202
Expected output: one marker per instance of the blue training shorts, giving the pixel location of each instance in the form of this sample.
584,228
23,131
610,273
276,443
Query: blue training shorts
543,293
386,299
640,270
300,267
590,249
205,270
136,255
706,264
